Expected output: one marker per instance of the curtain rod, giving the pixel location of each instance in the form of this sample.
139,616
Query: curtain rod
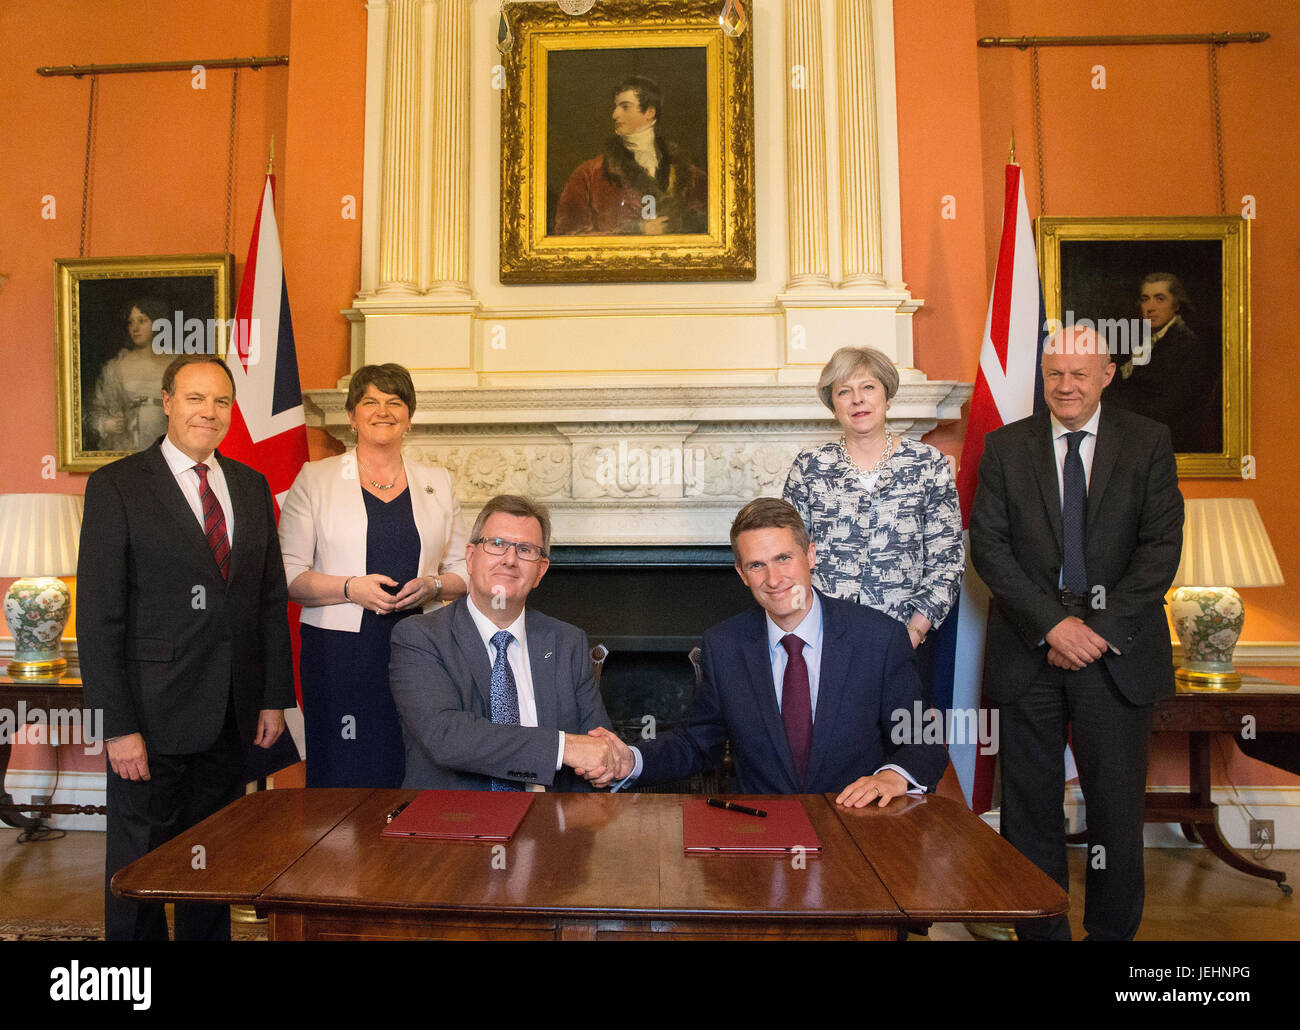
1219,38
79,70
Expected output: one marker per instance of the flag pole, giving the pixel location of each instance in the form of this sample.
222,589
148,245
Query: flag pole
1011,157
270,158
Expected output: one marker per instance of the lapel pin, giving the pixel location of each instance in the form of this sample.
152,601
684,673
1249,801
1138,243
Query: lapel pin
548,654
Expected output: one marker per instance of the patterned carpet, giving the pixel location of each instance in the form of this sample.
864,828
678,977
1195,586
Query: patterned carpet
63,930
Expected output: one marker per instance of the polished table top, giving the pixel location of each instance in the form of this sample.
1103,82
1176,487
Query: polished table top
594,856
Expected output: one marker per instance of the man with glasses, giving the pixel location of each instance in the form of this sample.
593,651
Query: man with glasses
491,696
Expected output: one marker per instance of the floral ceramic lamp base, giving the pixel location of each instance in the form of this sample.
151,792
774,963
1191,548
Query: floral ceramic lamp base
37,609
1208,621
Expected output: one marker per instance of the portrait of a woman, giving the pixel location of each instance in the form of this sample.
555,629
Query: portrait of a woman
125,412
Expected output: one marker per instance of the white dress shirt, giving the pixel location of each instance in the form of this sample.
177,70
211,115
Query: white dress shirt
517,657
182,467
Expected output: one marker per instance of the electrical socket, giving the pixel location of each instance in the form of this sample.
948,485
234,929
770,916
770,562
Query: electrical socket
42,799
1261,831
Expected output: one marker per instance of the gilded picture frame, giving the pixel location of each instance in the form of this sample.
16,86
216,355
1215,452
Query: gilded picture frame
579,204
1184,282
119,321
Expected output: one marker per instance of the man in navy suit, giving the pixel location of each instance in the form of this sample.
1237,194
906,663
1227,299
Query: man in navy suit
815,694
184,636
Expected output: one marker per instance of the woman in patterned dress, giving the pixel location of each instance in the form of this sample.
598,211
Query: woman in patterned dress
882,509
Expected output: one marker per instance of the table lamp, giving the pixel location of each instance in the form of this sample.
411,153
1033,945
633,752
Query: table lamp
1224,542
38,542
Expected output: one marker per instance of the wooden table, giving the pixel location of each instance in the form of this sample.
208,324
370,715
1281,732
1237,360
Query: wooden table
18,695
1272,707
590,867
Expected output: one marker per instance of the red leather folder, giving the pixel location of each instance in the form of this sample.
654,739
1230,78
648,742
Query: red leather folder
461,815
708,830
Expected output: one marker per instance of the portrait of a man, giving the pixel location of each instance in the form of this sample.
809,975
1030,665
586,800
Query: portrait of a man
626,154
1171,368
1178,381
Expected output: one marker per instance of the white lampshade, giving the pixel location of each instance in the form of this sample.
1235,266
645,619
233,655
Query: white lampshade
1225,544
39,534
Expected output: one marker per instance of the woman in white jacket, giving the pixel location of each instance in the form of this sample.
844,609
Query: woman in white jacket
368,539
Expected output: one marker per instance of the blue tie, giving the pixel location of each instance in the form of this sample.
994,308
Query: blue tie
1074,575
505,697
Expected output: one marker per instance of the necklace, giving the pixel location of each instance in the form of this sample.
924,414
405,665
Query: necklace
881,462
379,486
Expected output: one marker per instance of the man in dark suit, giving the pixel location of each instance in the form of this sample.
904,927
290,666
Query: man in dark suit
815,694
1077,530
183,631
493,697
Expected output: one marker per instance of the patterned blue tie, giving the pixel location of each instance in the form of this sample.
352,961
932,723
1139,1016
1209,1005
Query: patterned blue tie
1074,572
505,697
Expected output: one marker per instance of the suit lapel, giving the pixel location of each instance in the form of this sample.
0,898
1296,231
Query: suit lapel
472,651
1104,456
541,662
834,672
1042,457
167,492
759,665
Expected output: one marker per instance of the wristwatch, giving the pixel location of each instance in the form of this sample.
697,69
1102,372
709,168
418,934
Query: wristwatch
437,587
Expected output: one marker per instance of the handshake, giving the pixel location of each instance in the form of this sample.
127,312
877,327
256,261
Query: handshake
600,756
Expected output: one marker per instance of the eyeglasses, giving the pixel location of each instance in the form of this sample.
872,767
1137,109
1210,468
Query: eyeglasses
498,545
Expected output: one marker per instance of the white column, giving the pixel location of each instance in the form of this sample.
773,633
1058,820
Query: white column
860,247
449,222
806,146
398,227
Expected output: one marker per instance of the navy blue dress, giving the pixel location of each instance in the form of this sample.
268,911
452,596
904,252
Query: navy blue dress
346,674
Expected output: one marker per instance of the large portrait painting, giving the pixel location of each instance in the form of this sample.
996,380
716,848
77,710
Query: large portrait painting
1171,297
119,323
627,146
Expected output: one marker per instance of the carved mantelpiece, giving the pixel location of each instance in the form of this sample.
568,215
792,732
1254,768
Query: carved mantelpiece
639,465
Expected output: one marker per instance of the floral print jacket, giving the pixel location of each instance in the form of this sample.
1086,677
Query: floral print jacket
897,548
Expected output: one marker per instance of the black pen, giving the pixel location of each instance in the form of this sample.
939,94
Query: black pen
396,812
731,806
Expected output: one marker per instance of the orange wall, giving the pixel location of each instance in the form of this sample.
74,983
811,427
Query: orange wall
1142,146
159,177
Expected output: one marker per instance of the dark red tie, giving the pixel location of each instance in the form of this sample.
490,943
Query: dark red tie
214,523
796,706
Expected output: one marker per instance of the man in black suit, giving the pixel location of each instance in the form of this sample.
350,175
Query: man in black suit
1077,530
815,694
183,631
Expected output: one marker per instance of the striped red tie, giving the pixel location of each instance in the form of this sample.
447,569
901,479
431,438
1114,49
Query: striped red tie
214,523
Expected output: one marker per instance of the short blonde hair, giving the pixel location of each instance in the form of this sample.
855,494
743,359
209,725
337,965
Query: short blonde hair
849,361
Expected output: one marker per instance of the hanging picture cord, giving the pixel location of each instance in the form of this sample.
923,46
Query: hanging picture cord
1214,40
85,173
1038,132
1218,123
230,155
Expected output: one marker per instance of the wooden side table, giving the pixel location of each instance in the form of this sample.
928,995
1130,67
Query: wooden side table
1273,707
48,695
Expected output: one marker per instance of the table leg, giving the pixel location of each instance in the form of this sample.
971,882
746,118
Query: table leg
1198,746
8,814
